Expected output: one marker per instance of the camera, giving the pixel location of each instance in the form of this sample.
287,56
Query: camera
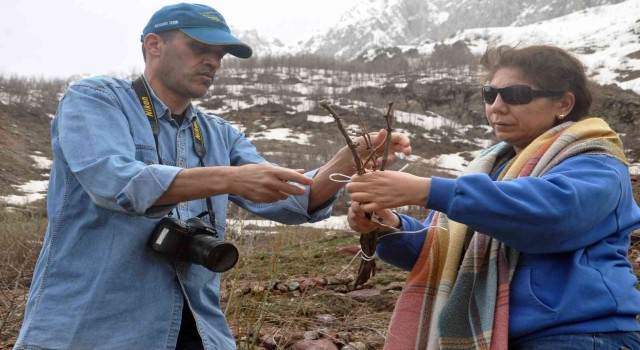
195,241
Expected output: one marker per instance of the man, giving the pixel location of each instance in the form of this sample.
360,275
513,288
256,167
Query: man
126,158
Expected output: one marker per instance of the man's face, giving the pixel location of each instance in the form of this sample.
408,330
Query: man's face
187,66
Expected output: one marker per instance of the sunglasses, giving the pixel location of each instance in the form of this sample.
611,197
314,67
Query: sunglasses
515,94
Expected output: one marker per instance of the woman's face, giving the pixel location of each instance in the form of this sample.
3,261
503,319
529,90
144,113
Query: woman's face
519,124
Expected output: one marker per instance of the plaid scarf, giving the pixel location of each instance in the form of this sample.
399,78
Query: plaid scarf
457,295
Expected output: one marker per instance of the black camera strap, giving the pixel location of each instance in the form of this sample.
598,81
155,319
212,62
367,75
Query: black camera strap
144,96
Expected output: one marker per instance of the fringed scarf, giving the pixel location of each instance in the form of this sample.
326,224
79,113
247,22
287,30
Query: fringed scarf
457,295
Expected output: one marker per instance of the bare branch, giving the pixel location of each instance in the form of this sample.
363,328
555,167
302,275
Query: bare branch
368,242
352,146
387,141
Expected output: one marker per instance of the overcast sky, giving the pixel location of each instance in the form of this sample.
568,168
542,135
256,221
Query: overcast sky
60,38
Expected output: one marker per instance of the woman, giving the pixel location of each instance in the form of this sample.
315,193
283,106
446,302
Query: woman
527,249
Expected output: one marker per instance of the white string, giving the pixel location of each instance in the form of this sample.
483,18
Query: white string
395,231
350,262
347,178
366,257
398,232
403,168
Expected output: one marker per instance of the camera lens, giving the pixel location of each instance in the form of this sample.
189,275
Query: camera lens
213,253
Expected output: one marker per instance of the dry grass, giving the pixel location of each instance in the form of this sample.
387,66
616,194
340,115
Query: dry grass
262,299
253,307
20,242
289,280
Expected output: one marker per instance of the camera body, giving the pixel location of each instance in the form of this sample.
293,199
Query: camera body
195,241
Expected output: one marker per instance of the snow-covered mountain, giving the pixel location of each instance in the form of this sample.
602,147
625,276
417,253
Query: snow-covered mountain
262,45
383,23
605,38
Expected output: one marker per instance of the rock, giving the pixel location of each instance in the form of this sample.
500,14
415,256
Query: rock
305,283
355,346
257,289
319,281
319,344
364,294
281,287
293,285
326,318
268,342
311,335
393,286
344,337
349,250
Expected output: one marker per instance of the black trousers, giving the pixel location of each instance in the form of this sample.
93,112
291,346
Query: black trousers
188,337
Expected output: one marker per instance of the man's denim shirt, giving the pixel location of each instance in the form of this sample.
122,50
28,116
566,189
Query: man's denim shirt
97,285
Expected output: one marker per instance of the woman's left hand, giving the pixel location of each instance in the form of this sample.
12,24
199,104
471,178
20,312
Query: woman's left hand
361,223
388,189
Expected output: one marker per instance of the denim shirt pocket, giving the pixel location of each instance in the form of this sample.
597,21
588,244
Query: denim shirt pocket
147,154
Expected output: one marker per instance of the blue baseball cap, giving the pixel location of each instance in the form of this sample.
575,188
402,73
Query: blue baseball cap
201,23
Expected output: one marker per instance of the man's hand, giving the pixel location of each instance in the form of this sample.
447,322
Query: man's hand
266,183
342,163
400,143
257,182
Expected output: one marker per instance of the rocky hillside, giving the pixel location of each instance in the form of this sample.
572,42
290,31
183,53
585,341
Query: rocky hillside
290,290
26,109
277,108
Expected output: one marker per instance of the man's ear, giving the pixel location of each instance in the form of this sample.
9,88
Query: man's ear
153,44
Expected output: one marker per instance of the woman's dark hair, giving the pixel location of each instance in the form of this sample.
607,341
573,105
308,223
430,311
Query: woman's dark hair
548,67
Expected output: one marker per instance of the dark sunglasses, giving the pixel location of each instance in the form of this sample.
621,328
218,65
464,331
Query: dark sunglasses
515,94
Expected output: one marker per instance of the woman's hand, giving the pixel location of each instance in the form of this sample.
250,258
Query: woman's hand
388,189
359,222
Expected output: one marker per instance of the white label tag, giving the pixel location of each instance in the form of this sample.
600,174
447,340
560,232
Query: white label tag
162,236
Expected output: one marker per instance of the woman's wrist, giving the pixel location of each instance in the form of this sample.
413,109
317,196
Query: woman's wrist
422,190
